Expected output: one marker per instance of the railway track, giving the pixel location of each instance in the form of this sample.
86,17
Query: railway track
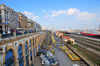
90,53
88,41
93,45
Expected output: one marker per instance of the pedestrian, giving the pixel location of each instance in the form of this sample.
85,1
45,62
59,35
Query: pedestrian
4,34
51,44
8,32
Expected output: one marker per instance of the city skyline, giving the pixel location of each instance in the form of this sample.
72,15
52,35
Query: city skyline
59,14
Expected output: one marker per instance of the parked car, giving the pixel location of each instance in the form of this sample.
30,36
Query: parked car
40,52
55,61
45,61
42,56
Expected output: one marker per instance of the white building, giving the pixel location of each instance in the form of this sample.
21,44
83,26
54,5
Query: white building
31,24
8,18
37,26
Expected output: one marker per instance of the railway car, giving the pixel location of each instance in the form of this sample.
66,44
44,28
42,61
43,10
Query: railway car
64,47
73,56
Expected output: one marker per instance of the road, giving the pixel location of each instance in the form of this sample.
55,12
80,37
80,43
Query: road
63,58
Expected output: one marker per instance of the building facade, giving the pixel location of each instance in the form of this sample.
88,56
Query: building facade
37,26
8,18
30,24
23,21
21,52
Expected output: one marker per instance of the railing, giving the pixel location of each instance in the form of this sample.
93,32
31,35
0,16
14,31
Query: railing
25,32
18,34
6,18
7,35
3,36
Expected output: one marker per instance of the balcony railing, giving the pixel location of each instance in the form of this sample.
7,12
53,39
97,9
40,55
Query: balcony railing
7,23
4,22
17,21
7,18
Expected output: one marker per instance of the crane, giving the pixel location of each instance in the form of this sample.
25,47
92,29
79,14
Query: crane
86,27
92,26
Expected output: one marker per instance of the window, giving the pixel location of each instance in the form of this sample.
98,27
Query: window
0,11
35,40
5,16
5,11
0,20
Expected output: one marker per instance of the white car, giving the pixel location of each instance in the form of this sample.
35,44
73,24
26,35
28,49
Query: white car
75,65
45,61
42,56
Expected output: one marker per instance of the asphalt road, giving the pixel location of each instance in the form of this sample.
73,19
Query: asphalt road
64,60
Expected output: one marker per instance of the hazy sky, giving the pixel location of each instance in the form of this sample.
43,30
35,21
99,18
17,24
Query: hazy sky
59,14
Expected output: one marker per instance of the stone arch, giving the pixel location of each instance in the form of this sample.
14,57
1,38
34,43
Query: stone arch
28,56
30,41
27,42
14,53
33,46
21,43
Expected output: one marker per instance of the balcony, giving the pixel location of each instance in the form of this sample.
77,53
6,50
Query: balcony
7,18
7,23
4,22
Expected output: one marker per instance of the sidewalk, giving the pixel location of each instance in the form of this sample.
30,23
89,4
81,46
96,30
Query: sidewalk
37,61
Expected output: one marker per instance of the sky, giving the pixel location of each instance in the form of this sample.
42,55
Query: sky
59,14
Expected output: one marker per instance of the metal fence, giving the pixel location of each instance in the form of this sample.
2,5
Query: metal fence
3,36
7,35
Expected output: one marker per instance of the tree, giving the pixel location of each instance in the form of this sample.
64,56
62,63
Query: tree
69,42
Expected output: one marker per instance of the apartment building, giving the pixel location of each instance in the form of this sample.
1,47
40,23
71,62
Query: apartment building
8,18
37,26
23,21
30,24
